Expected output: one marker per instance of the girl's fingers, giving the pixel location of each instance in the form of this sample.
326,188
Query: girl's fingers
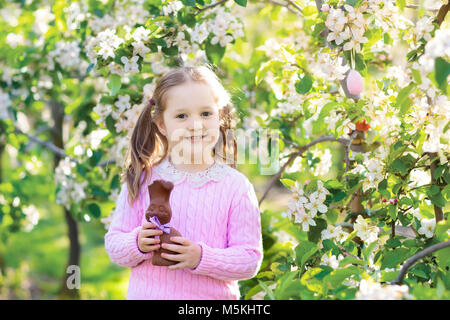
147,241
152,248
148,225
173,257
151,232
174,247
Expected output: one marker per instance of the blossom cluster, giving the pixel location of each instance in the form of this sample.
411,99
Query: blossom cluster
371,169
347,27
70,190
305,207
371,290
126,116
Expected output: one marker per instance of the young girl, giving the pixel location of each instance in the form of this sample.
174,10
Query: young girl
214,206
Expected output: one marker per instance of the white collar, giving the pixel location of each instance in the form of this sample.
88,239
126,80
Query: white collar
167,171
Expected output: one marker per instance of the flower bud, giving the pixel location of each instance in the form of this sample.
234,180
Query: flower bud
325,7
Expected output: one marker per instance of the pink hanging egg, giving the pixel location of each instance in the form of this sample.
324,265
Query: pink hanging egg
355,83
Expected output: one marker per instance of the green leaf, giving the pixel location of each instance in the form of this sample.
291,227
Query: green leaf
399,166
242,3
333,184
443,257
304,85
287,182
170,51
360,64
382,185
339,275
392,211
315,231
438,200
332,215
114,84
188,2
264,68
115,182
95,158
351,260
94,210
303,251
393,243
433,190
339,196
416,75
110,123
438,172
288,286
266,289
159,41
403,94
392,258
309,10
254,290
98,191
441,72
441,229
214,52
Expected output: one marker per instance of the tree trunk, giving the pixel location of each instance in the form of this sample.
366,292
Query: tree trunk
72,225
2,259
439,214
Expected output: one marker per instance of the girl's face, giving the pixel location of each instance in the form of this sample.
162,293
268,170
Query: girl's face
191,121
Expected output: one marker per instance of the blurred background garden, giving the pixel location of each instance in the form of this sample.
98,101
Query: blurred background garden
377,147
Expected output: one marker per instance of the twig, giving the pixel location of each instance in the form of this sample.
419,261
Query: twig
345,252
278,175
425,185
57,150
200,10
295,6
46,144
418,256
283,5
415,6
293,156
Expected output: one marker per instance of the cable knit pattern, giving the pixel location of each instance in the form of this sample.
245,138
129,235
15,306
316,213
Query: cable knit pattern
221,215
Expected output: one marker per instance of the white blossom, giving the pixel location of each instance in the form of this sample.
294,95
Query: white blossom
130,65
364,231
370,290
427,227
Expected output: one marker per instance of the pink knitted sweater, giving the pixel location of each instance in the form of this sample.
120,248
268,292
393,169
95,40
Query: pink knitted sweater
218,209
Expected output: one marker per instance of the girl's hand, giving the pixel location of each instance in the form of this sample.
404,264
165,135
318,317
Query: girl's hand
146,240
189,253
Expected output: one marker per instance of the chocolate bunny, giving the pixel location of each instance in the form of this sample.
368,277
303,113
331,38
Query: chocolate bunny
159,213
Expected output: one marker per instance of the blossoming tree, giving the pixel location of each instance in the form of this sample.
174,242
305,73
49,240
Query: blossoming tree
357,85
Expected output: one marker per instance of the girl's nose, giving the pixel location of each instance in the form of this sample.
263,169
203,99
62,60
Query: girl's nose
195,125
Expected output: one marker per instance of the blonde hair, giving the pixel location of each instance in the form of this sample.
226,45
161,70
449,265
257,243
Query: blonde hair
148,146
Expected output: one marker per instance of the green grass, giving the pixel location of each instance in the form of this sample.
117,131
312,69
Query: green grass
44,250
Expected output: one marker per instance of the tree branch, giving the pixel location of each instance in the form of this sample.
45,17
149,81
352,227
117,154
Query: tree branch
415,6
283,5
46,144
200,10
442,13
293,156
418,256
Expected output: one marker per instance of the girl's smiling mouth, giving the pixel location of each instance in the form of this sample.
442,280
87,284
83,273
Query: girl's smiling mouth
196,138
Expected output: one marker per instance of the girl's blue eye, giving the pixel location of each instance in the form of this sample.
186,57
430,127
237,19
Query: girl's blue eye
178,116
206,112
